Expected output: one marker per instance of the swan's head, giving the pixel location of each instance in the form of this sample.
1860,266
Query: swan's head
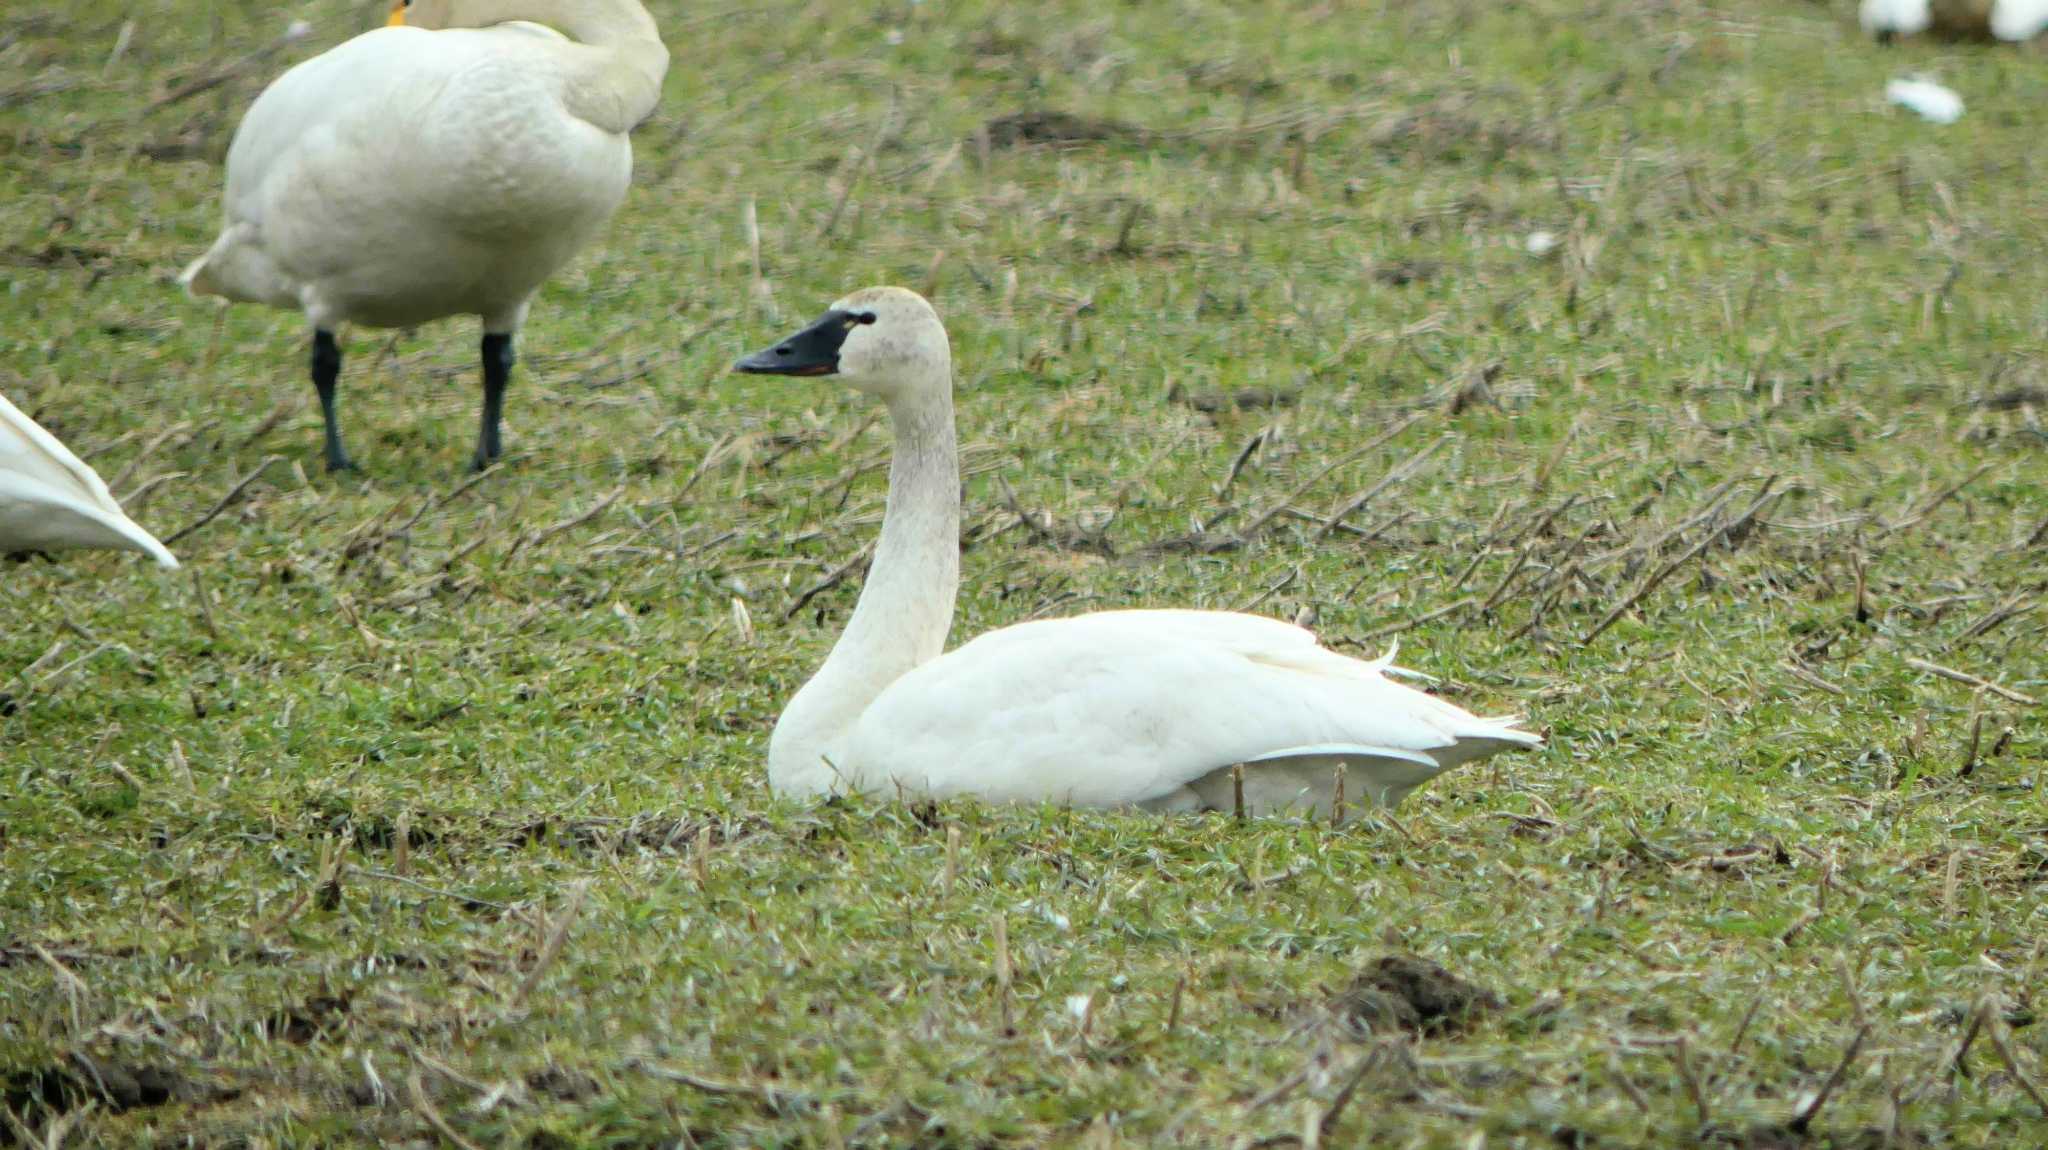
886,341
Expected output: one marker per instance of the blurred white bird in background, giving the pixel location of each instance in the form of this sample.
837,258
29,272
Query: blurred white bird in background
1926,97
2010,20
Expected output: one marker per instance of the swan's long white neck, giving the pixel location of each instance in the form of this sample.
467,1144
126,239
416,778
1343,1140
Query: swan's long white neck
616,83
906,606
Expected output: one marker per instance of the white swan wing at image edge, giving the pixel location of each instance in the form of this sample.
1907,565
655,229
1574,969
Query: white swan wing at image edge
50,498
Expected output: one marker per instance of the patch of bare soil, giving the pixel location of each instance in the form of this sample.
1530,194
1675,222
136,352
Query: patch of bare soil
77,1079
1044,127
1402,991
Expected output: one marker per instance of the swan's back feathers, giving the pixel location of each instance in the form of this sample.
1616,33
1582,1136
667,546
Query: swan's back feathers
50,499
1131,708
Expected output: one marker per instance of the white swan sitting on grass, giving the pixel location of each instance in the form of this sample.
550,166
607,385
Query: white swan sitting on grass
51,501
1151,709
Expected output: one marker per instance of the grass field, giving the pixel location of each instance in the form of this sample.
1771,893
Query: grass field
428,811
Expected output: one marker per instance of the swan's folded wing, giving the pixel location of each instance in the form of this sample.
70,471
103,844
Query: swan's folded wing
1125,708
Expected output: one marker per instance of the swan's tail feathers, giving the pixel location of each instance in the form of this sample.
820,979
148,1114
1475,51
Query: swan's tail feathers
1385,666
196,281
237,268
201,277
1484,739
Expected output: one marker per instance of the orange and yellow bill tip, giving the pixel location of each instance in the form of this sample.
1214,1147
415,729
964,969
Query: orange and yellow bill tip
397,15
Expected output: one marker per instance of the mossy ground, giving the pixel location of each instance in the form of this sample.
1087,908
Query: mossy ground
423,811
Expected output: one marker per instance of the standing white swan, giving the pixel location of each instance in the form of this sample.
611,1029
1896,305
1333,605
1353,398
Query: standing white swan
444,166
50,500
2010,20
1115,709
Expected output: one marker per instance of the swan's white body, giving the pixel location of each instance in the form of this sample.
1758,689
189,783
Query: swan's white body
1151,709
2012,20
1147,709
411,174
445,167
1895,17
50,500
2019,19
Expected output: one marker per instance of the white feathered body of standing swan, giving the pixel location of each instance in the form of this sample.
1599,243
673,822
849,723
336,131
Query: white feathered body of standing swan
51,501
443,167
1147,709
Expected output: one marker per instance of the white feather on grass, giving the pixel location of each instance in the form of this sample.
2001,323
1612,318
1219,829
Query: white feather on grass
1929,99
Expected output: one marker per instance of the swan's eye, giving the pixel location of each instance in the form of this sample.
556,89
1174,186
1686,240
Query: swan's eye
864,317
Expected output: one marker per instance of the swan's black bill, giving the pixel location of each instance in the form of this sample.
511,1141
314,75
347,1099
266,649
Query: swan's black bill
812,351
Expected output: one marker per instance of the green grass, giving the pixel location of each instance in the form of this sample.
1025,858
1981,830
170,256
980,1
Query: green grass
1752,834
